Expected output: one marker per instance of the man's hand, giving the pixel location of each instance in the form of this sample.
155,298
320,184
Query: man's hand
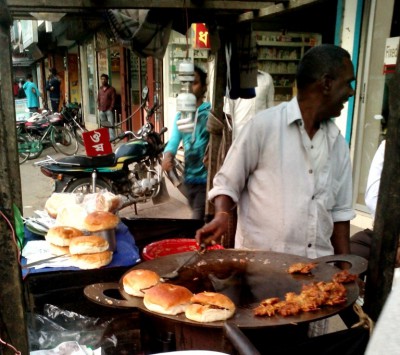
211,232
167,162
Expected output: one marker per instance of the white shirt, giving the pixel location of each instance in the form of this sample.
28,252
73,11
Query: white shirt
374,179
242,110
269,172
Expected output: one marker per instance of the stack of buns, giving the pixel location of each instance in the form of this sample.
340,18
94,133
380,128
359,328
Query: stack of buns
90,252
87,252
169,299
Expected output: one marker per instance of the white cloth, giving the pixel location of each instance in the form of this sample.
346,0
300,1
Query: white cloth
242,110
385,338
269,172
374,179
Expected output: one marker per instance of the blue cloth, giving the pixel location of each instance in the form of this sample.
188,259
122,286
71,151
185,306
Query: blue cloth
127,253
54,83
195,170
32,97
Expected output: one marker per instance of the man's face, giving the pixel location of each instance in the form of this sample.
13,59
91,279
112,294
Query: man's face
104,81
341,89
197,88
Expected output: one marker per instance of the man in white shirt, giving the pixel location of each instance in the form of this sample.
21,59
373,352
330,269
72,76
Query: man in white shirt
360,243
289,170
242,110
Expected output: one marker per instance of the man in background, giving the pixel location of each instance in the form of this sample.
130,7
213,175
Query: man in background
53,85
32,94
106,102
241,110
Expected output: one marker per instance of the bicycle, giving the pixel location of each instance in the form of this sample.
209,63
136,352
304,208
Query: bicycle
33,137
73,118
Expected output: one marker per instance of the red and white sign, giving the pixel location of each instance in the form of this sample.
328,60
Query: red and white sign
201,39
391,53
97,142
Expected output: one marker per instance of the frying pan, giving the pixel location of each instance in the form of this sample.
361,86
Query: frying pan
246,276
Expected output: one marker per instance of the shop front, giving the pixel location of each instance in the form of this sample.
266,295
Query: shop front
371,101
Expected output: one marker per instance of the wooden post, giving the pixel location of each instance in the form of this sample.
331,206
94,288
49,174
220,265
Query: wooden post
387,218
216,140
13,329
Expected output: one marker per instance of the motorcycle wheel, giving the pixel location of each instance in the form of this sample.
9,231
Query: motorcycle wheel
23,153
84,186
63,141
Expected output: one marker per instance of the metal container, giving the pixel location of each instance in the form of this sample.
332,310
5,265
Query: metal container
109,236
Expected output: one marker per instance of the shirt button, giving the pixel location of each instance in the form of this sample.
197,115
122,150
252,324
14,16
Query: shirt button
309,245
312,147
310,171
312,198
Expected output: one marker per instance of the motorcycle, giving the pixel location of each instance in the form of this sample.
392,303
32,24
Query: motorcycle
133,170
41,130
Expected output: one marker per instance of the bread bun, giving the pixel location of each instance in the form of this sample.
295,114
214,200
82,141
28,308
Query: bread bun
57,201
210,307
88,245
71,215
137,282
166,298
92,261
61,235
57,250
100,220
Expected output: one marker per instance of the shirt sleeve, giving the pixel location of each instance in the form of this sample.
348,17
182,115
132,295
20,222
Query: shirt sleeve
374,179
175,138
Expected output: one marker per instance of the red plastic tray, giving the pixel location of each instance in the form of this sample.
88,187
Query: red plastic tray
172,246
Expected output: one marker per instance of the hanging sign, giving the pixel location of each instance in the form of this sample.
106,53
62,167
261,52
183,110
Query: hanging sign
391,53
97,142
201,39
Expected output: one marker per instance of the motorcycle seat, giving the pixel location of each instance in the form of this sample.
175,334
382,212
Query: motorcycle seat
90,162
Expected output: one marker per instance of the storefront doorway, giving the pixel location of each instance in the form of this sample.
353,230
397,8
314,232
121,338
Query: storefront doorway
372,113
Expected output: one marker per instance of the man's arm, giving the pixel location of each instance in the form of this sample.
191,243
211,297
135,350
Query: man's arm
341,237
113,94
219,225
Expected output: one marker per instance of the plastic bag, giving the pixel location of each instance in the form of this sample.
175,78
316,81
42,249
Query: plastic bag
57,326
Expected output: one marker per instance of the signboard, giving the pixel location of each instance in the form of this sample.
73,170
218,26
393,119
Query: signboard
29,33
97,142
391,53
21,111
201,39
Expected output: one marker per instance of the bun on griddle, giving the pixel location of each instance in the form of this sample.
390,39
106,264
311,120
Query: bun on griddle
210,307
168,299
137,282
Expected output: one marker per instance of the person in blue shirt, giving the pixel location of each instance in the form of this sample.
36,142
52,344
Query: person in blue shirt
32,94
194,145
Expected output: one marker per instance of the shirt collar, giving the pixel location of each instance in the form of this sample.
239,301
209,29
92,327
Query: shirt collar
294,115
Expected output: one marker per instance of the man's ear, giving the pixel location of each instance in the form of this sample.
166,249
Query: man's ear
326,83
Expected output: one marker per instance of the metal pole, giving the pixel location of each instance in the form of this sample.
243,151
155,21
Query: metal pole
13,328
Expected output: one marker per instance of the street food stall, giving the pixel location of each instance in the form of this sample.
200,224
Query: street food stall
249,267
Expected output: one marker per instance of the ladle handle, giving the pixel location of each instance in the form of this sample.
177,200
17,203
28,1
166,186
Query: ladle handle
239,341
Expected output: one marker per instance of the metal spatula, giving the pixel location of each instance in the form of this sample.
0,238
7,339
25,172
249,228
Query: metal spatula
175,273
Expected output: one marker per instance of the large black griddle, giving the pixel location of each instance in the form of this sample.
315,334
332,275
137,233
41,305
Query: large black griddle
247,277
